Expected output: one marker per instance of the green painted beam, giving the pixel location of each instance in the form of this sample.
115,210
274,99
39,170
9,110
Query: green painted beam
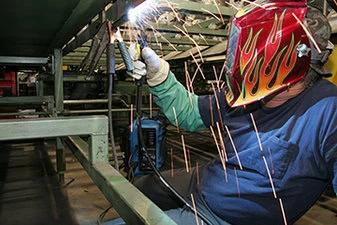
58,81
80,16
128,201
12,60
114,13
73,78
22,100
176,28
198,7
118,10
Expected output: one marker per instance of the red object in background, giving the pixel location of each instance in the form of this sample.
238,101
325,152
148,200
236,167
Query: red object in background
8,84
8,88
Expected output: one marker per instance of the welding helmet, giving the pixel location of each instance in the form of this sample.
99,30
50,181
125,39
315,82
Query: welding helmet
268,50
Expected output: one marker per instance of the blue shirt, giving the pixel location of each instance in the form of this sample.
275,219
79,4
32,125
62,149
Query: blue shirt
299,148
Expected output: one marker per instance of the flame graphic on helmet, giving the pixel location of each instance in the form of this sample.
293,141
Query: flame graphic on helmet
267,73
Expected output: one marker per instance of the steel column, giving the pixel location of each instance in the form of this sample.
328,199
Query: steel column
58,80
60,159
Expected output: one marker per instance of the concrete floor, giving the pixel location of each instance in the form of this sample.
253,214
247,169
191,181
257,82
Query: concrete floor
31,194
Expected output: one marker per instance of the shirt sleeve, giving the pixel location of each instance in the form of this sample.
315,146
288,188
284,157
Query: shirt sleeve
329,139
178,104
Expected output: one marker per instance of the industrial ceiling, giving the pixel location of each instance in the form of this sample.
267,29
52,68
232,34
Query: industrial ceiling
177,29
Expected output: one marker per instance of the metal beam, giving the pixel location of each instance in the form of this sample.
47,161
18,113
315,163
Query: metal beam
74,78
58,81
115,13
12,60
28,101
128,201
80,16
119,8
197,7
176,28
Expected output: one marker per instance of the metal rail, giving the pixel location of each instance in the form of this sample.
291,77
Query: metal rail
129,202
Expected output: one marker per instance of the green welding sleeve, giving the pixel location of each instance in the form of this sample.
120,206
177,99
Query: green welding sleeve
178,104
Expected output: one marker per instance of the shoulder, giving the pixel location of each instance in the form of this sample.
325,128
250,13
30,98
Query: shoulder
321,92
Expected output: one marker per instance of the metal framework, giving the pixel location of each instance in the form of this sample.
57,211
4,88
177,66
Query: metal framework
129,202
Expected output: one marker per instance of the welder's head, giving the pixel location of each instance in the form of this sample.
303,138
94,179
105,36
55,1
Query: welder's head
268,48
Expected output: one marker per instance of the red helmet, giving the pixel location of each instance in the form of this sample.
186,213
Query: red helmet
267,50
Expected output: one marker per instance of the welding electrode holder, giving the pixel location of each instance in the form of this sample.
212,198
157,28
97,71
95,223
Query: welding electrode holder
126,56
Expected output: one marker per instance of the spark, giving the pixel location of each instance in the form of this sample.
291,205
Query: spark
155,36
173,10
167,41
222,141
189,159
189,37
270,178
271,161
188,81
283,212
211,109
237,181
187,77
199,24
185,28
209,12
195,209
185,155
222,69
203,37
198,66
175,118
216,5
220,155
150,105
256,131
131,119
172,166
232,142
254,3
195,73
232,5
197,172
217,105
308,33
215,139
216,77
139,14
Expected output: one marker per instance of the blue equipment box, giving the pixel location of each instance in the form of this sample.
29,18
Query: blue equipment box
153,133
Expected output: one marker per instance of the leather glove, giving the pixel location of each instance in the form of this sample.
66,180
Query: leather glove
157,68
139,67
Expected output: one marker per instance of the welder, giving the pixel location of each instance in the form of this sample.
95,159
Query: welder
278,115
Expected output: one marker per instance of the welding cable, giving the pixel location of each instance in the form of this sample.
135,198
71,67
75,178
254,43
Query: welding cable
144,150
111,73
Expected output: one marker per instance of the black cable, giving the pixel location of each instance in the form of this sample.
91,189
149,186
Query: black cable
112,139
143,148
111,71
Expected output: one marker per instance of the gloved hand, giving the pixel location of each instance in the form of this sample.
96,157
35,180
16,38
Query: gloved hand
139,67
155,68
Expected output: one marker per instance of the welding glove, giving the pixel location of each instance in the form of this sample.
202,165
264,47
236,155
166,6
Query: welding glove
139,67
157,68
